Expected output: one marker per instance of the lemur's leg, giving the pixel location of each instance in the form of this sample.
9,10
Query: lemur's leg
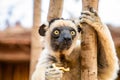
107,58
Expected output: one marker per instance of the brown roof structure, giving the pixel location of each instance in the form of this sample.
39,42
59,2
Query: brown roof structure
15,44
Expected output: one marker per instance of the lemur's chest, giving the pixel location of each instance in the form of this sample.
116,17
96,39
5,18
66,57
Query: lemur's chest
74,70
72,74
72,62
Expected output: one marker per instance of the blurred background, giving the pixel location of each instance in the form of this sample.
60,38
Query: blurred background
16,23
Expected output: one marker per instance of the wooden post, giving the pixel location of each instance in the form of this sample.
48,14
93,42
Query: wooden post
35,37
55,9
89,46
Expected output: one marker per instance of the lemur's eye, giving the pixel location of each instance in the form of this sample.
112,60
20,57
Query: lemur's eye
72,33
56,32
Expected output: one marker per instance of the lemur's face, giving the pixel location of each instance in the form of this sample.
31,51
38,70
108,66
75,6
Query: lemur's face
61,34
62,37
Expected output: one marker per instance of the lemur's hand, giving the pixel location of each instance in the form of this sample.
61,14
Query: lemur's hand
53,73
91,18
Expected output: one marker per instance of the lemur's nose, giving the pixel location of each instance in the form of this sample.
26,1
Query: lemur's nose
67,38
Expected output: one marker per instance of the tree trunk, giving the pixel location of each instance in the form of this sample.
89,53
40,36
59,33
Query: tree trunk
35,37
55,9
89,46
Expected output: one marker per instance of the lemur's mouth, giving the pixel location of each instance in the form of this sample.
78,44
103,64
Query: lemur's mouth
65,45
61,46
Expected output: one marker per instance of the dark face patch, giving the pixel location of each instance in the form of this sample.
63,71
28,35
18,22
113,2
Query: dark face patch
62,37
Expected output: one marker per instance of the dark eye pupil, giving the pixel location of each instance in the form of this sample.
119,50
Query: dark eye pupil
73,33
56,32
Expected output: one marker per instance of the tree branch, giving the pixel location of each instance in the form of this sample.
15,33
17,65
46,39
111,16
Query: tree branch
89,47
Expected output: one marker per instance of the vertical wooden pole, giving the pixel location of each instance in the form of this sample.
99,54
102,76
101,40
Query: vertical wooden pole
89,46
55,9
35,37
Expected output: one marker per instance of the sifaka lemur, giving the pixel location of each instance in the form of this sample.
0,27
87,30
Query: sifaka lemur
62,48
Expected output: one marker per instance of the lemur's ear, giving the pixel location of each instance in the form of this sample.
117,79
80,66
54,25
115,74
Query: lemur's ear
78,25
79,28
42,29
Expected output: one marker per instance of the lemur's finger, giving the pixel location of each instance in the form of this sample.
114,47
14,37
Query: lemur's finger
94,11
87,17
57,74
53,77
87,13
53,73
90,13
85,20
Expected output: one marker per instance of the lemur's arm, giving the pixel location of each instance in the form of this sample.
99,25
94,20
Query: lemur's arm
107,58
44,69
43,63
